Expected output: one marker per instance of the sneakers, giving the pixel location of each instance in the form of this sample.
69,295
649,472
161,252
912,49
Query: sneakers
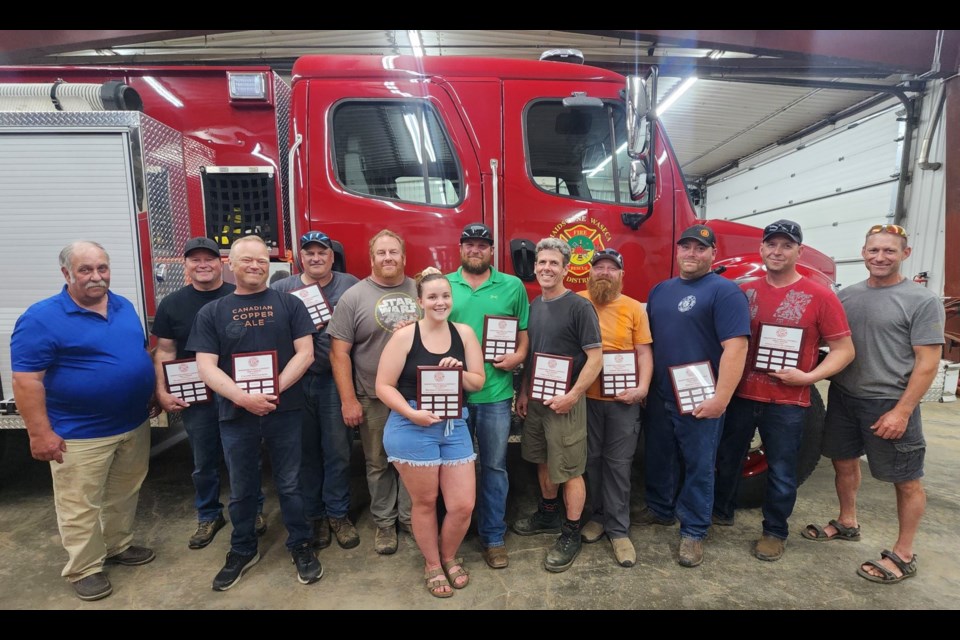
539,522
624,552
691,552
769,548
385,542
591,532
94,587
565,550
260,526
132,556
206,530
236,565
648,517
347,536
321,534
309,569
495,557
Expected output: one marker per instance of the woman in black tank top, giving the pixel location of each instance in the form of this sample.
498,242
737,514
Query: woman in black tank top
433,455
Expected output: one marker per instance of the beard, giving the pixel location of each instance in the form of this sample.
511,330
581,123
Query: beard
604,291
380,272
476,266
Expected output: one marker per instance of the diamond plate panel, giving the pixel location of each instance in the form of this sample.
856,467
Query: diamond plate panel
168,214
282,97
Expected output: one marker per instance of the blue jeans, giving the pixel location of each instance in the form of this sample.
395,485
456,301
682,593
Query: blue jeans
490,423
201,422
280,432
781,430
670,439
327,444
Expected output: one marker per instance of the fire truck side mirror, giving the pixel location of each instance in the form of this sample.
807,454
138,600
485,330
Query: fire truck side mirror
638,106
638,179
522,252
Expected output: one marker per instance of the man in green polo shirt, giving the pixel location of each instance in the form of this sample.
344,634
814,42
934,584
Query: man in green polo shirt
480,290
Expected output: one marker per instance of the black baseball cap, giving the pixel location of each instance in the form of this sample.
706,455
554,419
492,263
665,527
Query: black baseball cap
316,236
476,231
607,254
701,233
788,228
201,242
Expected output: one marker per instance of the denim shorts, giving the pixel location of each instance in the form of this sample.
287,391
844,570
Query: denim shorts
847,435
409,443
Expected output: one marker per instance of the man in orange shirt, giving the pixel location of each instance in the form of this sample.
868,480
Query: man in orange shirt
613,404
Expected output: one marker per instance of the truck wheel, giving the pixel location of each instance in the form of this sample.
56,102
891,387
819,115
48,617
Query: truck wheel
753,484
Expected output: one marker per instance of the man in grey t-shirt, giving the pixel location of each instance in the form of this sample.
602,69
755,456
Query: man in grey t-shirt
873,404
327,441
365,318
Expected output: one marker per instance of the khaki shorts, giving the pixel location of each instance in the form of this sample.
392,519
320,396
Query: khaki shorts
559,441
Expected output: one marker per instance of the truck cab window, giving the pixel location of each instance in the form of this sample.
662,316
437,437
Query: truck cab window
579,152
397,150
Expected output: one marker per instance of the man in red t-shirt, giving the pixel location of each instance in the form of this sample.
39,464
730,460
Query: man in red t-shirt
790,315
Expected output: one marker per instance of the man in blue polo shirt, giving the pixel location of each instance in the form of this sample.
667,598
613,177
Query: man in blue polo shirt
83,381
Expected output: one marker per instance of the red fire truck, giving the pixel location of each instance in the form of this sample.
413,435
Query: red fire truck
423,146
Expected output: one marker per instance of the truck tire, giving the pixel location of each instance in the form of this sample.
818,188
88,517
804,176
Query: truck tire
753,487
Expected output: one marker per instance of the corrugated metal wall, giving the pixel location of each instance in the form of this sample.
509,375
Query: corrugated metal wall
838,183
926,201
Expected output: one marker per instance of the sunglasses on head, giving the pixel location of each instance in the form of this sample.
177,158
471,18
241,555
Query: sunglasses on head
608,252
887,228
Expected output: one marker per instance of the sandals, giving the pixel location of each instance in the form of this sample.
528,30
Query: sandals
908,569
818,534
453,576
436,580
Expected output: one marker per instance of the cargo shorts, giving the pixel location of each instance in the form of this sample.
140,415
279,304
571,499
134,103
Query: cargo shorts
559,441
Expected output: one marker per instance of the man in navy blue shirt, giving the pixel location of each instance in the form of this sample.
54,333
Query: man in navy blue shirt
698,318
83,380
265,325
171,324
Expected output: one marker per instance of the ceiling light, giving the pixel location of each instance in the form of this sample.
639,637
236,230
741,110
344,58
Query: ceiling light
675,95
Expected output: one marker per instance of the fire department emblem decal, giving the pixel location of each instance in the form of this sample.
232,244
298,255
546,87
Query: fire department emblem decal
686,304
584,241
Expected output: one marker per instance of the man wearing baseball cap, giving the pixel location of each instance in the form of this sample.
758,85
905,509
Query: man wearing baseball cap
774,394
203,271
613,405
700,325
327,441
479,289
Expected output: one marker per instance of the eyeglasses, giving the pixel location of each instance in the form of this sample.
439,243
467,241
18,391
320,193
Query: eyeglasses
887,228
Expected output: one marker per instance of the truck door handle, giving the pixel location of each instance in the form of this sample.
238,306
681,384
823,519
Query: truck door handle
521,251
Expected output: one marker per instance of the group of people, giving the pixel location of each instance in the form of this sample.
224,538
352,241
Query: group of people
86,386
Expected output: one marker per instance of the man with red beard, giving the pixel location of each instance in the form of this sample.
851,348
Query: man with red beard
363,321
613,406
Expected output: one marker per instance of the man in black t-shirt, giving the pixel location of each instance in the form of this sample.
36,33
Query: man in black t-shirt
274,333
555,426
203,271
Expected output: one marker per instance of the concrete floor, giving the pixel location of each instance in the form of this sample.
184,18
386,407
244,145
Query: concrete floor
810,575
